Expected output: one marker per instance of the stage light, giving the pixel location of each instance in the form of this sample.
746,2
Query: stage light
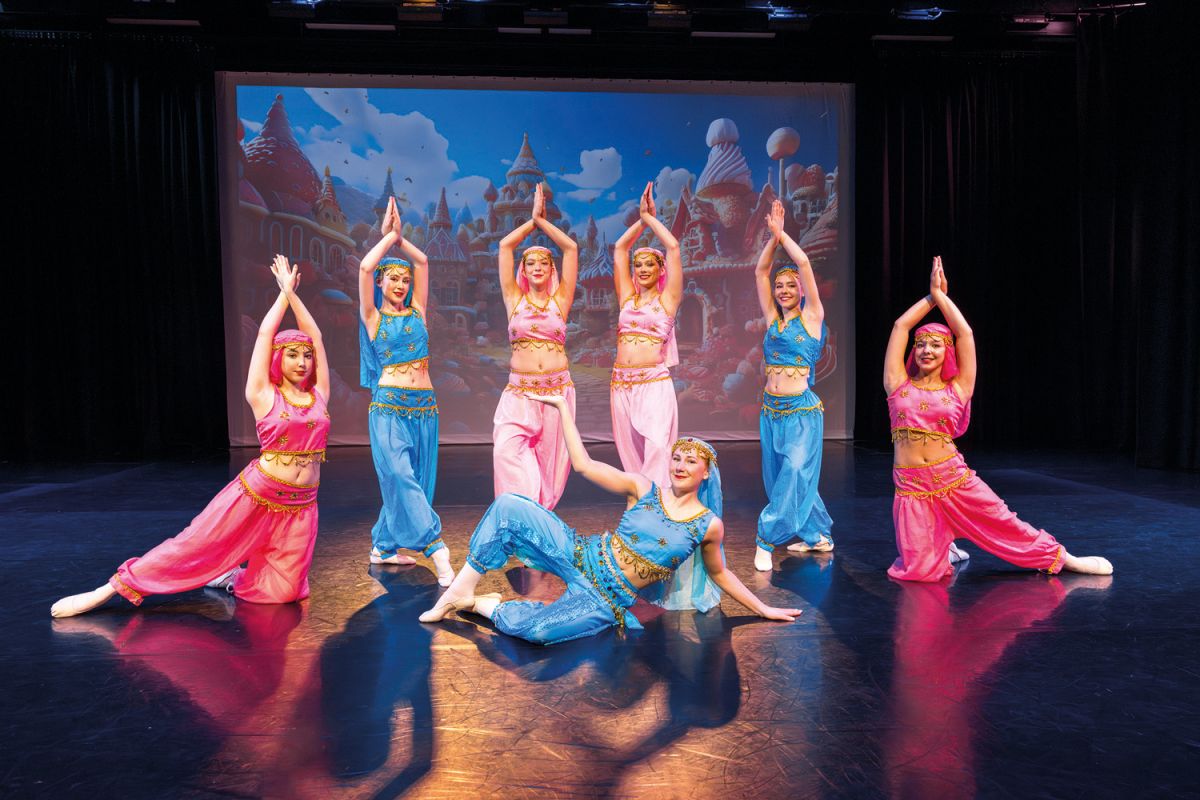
361,27
153,22
918,13
733,34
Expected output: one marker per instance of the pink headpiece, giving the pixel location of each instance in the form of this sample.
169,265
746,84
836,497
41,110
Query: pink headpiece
671,348
523,280
282,340
938,331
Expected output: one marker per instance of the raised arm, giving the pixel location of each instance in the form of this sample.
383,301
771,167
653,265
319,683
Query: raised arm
813,311
964,337
420,272
505,263
304,321
673,289
390,227
714,564
605,476
258,379
569,248
622,280
894,371
762,270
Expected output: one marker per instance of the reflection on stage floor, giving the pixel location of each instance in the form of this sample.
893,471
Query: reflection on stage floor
996,683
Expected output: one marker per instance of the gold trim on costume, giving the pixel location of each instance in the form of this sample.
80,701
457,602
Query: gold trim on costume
312,398
286,458
638,338
615,383
1057,558
259,467
919,435
643,567
945,490
525,343
532,388
282,345
405,367
776,413
802,371
137,596
930,464
264,502
658,490
404,411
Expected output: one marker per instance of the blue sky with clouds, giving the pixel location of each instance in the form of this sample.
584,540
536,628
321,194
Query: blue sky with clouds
597,148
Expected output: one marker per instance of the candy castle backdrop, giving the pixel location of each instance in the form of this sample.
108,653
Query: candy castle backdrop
309,167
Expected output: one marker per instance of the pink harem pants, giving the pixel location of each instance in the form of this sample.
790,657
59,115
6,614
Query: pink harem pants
255,518
645,417
529,454
938,503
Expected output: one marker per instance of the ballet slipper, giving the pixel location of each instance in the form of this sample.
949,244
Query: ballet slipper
225,581
395,558
823,545
445,572
762,560
486,604
444,607
1088,565
83,602
957,554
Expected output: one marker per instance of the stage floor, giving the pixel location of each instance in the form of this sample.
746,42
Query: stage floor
1001,683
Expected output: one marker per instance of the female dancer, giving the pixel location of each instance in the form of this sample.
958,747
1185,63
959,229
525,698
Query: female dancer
792,421
604,574
645,414
529,456
403,416
268,514
937,496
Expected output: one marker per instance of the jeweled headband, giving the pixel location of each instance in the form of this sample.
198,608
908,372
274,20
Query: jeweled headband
654,251
386,264
687,443
946,338
282,345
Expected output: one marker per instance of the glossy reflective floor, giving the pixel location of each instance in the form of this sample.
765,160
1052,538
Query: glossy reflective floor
1000,683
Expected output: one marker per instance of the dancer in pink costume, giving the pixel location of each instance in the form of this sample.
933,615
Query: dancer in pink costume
266,517
529,456
645,413
938,498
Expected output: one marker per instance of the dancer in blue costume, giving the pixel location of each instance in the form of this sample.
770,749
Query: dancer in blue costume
403,416
662,529
792,421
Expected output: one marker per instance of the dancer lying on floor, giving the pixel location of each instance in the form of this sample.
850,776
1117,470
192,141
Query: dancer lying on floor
267,515
938,497
660,529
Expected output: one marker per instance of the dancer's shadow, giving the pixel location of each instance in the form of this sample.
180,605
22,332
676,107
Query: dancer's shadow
691,653
380,661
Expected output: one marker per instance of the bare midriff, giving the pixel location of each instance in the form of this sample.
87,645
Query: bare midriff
301,471
919,451
410,375
646,351
538,357
787,380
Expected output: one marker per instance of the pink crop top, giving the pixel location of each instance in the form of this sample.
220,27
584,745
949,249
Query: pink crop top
649,323
531,327
294,434
926,414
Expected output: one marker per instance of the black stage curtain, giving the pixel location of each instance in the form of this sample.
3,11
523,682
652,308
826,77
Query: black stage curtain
1064,193
1139,227
971,157
113,278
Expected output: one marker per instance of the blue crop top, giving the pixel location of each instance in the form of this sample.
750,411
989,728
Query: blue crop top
789,349
653,542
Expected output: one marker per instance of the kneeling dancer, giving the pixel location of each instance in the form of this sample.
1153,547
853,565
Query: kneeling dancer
267,515
938,498
660,529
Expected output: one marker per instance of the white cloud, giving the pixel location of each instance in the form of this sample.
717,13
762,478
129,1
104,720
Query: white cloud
670,182
584,195
251,127
506,162
599,169
611,196
613,225
364,141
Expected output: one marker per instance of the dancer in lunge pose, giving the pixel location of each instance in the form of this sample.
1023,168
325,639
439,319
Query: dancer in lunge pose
403,416
660,529
267,515
792,421
938,498
645,413
529,456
